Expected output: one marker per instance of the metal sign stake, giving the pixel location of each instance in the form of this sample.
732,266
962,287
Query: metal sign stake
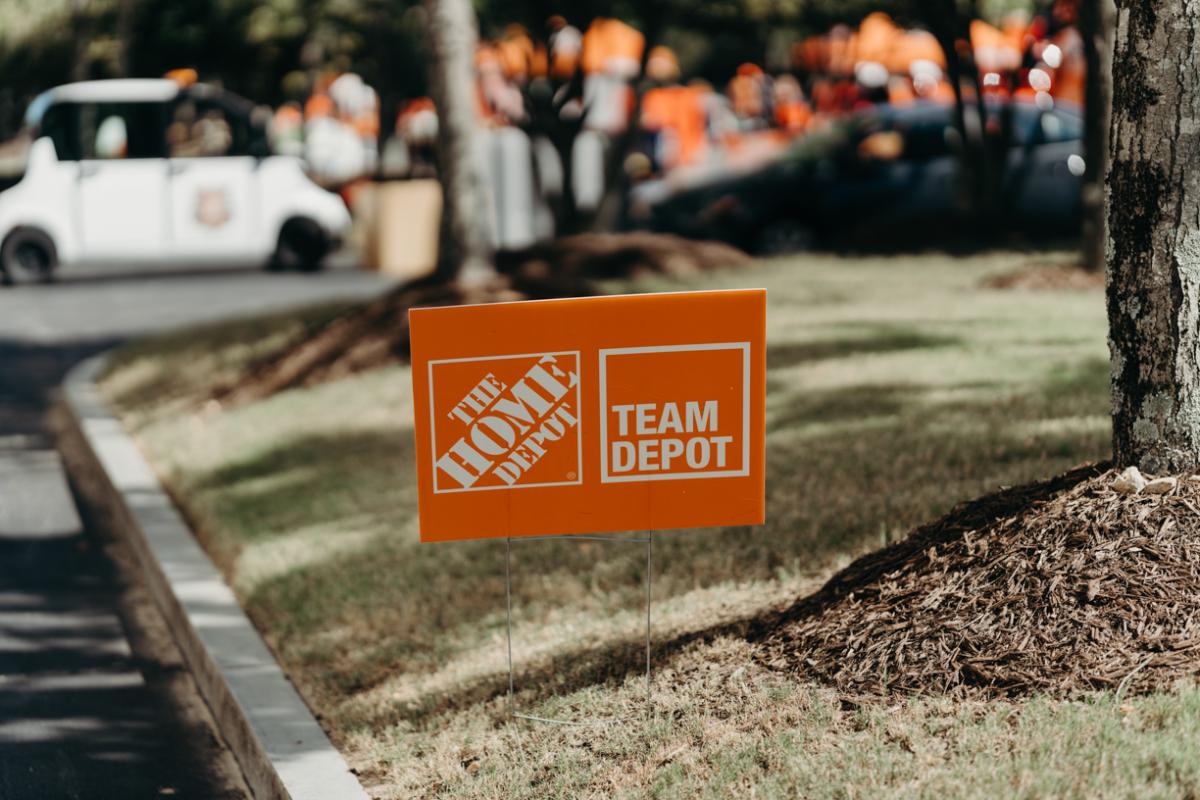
648,539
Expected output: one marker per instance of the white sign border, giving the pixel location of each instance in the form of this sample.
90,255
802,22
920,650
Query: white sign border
677,348
578,424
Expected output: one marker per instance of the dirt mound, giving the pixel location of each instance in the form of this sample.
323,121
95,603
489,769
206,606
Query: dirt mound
377,335
1061,587
362,339
618,255
1047,278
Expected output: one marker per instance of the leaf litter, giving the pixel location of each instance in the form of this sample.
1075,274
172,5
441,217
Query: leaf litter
1058,587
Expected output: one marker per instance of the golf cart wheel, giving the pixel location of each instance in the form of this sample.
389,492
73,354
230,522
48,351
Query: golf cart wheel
783,237
302,246
28,254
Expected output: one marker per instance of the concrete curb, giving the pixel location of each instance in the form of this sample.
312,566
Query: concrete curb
282,750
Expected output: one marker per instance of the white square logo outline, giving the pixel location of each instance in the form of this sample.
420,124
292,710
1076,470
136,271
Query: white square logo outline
578,424
678,348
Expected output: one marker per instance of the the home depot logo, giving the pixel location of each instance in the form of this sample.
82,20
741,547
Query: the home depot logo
505,422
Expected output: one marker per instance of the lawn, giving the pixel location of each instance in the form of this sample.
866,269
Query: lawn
896,388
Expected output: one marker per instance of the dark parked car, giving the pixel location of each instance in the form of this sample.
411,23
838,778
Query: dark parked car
884,176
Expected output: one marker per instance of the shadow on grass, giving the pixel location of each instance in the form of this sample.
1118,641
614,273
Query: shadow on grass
228,346
878,339
1080,382
315,479
895,458
850,403
357,616
566,671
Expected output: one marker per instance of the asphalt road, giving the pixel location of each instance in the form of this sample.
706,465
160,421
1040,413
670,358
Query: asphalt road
94,701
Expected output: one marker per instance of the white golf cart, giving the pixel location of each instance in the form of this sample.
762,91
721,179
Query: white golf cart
146,171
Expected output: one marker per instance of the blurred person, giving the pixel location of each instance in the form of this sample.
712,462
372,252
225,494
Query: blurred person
994,51
638,168
808,55
879,39
319,103
657,112
341,128
1070,67
516,54
1015,26
192,135
720,121
212,134
179,131
900,91
675,114
750,94
612,53
929,82
611,46
351,95
566,48
841,43
662,67
500,101
792,112
286,130
871,78
417,125
824,95
912,46
112,138
332,150
610,59
847,95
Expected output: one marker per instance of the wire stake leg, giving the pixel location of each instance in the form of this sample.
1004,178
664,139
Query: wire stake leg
512,708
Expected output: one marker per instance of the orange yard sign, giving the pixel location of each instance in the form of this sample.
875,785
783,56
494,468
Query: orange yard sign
637,412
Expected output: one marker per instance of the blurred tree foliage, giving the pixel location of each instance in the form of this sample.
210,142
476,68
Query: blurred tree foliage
267,50
270,50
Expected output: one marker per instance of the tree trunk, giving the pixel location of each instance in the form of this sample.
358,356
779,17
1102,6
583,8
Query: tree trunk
124,38
81,36
1153,250
465,251
1096,27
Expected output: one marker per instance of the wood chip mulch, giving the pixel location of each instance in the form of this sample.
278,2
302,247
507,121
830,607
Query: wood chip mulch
1048,278
619,255
1058,587
377,335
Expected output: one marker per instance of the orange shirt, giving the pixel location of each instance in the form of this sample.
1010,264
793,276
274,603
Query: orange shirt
680,110
793,116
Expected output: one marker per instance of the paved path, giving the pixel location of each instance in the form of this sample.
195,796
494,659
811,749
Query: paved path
94,700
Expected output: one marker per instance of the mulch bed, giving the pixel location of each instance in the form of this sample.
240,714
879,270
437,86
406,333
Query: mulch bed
1060,587
1047,278
618,255
361,340
377,335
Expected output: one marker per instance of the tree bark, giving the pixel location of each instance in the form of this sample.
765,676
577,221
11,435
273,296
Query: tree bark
465,252
1096,27
1153,252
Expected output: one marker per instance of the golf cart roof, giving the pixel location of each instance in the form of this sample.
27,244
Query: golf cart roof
122,90
116,91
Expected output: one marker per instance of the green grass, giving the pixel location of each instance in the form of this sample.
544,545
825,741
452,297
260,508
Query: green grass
897,387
